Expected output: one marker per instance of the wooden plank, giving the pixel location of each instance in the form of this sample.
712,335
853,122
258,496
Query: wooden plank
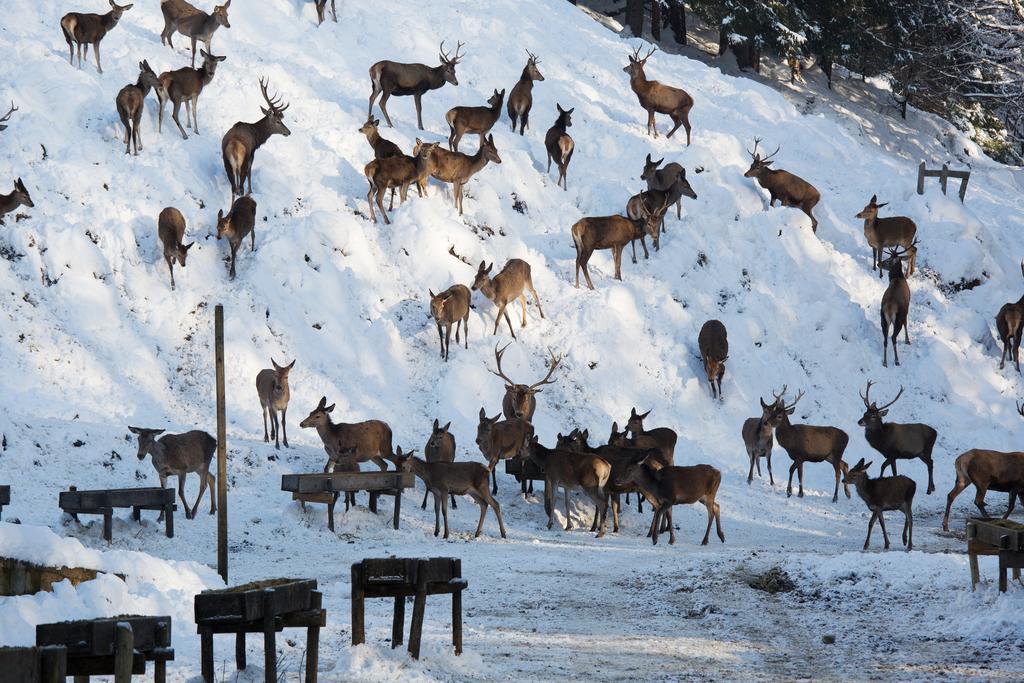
248,605
340,482
98,636
83,501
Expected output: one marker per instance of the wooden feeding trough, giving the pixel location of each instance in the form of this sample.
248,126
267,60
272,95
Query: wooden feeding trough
5,498
34,664
325,487
103,502
995,537
265,607
24,578
118,646
400,578
523,471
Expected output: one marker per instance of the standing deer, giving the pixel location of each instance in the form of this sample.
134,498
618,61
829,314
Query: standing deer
714,351
671,486
520,400
184,85
272,389
894,231
7,117
382,148
180,455
85,29
170,227
401,172
441,448
896,441
895,305
394,78
559,144
657,97
192,22
239,223
448,307
783,186
371,439
650,202
611,232
500,439
661,438
479,120
321,10
885,493
457,168
10,202
758,438
571,470
130,102
520,100
239,144
1009,324
505,287
665,178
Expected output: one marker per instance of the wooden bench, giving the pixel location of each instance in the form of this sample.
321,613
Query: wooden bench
118,646
325,487
34,664
265,607
5,498
400,578
103,502
995,537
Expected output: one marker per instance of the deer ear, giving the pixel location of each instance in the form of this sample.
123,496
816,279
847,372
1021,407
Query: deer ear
490,138
571,110
446,426
291,365
188,246
482,266
227,4
431,293
220,215
585,434
874,198
134,430
490,267
265,111
632,411
483,414
330,408
274,363
883,413
645,414
790,411
867,465
323,402
882,204
436,423
496,417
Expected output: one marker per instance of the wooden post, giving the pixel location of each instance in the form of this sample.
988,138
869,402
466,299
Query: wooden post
169,519
108,524
54,664
358,601
330,512
222,451
269,637
398,622
972,559
206,653
313,638
240,663
419,606
920,178
457,608
125,643
963,186
398,504
944,177
163,640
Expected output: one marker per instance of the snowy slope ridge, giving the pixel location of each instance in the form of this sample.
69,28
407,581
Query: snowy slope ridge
93,339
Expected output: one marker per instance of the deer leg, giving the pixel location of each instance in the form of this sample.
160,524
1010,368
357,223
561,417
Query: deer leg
616,506
789,486
437,516
676,120
549,505
651,125
444,511
483,514
127,131
448,341
284,425
369,200
380,205
194,51
1010,504
174,115
958,487
181,494
231,273
266,436
202,489
383,103
419,110
195,114
800,477
871,524
617,259
568,515
931,483
979,498
710,505
494,477
425,495
522,302
96,53
163,485
753,460
1016,350
652,533
885,534
536,299
908,527
524,121
137,131
835,495
895,337
885,342
771,479
457,195
508,320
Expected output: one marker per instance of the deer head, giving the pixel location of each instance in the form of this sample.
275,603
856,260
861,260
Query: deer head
488,149
437,302
531,67
635,424
370,127
403,459
181,253
564,116
448,63
872,413
274,112
870,211
520,394
210,61
483,429
483,276
20,194
281,375
117,10
496,99
636,64
894,262
758,165
319,416
437,436
220,14
147,437
7,117
857,473
650,168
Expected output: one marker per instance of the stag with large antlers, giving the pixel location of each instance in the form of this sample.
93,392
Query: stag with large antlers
783,186
520,100
521,399
394,78
1010,325
240,143
658,98
7,117
896,441
83,28
895,305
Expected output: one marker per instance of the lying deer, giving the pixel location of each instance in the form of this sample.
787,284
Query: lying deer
714,351
894,231
505,287
758,438
881,494
180,455
895,305
274,393
448,307
500,439
192,22
657,97
184,85
131,100
239,223
611,232
170,228
394,78
896,441
671,486
10,202
371,439
441,448
570,470
520,400
783,186
479,120
560,145
457,168
520,100
400,172
239,144
85,29
1009,324
321,9
7,117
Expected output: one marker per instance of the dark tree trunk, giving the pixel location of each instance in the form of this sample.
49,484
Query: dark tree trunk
656,19
635,16
826,67
677,20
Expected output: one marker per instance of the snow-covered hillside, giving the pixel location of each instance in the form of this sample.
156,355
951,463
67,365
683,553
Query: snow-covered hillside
93,339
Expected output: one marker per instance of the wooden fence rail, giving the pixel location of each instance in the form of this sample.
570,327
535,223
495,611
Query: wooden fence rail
943,174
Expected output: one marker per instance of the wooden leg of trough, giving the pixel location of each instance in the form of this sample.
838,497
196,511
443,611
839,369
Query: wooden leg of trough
136,514
418,608
398,622
169,520
108,533
240,662
972,560
398,505
124,648
373,502
330,512
54,664
206,654
313,640
269,638
358,602
163,639
457,610
1002,571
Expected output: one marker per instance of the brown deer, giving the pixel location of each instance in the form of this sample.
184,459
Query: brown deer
274,394
520,399
7,117
180,455
881,494
192,22
662,438
130,102
170,228
894,231
85,29
401,172
671,486
665,185
479,120
758,438
520,100
10,202
500,439
895,305
239,144
559,144
663,178
371,438
783,186
649,202
1009,324
394,78
441,448
457,168
896,441
321,10
657,97
239,223
714,351
505,287
610,232
807,443
448,307
184,85
382,148
571,470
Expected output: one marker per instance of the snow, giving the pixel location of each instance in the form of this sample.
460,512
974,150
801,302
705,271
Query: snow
106,344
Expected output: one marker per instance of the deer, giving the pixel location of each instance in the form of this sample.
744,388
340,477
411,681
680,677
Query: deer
457,168
881,494
758,438
184,85
807,443
611,232
441,448
394,78
671,486
896,441
239,144
450,307
506,287
895,305
400,172
656,443
662,438
370,438
714,351
192,22
274,394
321,11
657,97
644,203
520,400
893,231
18,197
783,186
559,145
84,29
382,148
7,117
130,102
670,179
1009,324
571,470
170,227
500,439
180,455
479,120
520,100
239,223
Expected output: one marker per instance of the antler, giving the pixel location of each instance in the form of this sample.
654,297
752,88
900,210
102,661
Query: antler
533,57
547,378
7,116
753,153
894,400
649,53
497,357
799,395
273,102
781,393
456,58
1020,409
864,396
773,153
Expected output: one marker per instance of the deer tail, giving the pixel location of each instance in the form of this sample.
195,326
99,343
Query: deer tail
565,145
577,238
67,25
